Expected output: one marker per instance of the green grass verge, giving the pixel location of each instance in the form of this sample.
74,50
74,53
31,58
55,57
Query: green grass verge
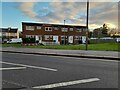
100,47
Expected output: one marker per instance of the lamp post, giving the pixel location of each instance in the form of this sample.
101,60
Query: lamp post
87,24
9,33
64,33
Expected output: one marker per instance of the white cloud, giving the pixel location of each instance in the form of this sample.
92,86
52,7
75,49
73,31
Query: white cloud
27,8
60,0
100,13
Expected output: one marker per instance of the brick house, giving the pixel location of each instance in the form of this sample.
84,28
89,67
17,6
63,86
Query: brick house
8,33
54,33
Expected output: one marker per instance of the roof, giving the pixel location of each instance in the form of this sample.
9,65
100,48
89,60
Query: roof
12,30
55,25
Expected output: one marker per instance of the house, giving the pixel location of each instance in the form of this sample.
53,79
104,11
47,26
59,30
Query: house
54,33
8,33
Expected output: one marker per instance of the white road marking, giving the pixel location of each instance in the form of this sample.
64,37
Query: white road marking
12,68
67,83
36,67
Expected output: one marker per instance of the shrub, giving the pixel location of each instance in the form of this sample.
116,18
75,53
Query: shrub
28,40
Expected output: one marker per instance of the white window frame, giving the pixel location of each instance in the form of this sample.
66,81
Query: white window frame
48,37
56,28
63,37
71,29
79,29
38,27
64,29
48,28
32,28
77,37
13,34
30,36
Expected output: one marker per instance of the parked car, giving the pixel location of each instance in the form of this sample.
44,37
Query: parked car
118,40
15,40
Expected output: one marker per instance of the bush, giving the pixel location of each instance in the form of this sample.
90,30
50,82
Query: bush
28,40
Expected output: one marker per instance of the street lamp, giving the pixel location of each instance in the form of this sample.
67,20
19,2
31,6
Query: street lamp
87,24
9,33
64,33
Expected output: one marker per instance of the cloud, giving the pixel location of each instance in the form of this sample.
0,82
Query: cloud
73,12
106,13
27,8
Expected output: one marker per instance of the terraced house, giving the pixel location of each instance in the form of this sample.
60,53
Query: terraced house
54,33
8,33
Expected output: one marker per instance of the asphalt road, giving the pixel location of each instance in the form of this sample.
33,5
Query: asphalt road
27,72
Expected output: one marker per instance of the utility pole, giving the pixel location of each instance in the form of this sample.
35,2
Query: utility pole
87,24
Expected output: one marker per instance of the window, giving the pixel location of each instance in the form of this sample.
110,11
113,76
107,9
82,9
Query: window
13,34
30,36
39,27
71,29
56,28
0,34
29,27
4,34
48,28
77,37
84,29
64,29
79,30
47,37
63,37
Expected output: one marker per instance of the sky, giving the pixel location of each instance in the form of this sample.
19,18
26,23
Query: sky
56,11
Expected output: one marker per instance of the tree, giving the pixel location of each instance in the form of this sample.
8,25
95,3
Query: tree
104,29
20,35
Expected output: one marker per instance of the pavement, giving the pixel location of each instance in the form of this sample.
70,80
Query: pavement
111,55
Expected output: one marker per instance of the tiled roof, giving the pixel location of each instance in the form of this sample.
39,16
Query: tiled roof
55,25
12,30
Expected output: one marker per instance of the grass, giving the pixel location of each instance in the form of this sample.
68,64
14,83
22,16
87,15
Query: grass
100,47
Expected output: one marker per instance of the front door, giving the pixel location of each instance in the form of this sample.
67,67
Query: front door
70,39
55,38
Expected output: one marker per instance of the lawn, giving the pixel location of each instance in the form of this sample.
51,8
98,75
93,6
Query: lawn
100,47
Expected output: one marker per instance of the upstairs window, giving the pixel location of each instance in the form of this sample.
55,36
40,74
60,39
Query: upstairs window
79,30
30,28
71,29
48,28
38,27
64,29
56,28
84,29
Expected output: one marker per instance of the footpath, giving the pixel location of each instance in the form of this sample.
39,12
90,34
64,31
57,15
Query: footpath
111,55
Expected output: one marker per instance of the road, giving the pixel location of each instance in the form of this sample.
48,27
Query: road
25,71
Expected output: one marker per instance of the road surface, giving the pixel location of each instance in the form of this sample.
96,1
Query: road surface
27,72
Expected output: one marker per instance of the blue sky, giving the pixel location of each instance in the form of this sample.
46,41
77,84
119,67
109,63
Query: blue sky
13,13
